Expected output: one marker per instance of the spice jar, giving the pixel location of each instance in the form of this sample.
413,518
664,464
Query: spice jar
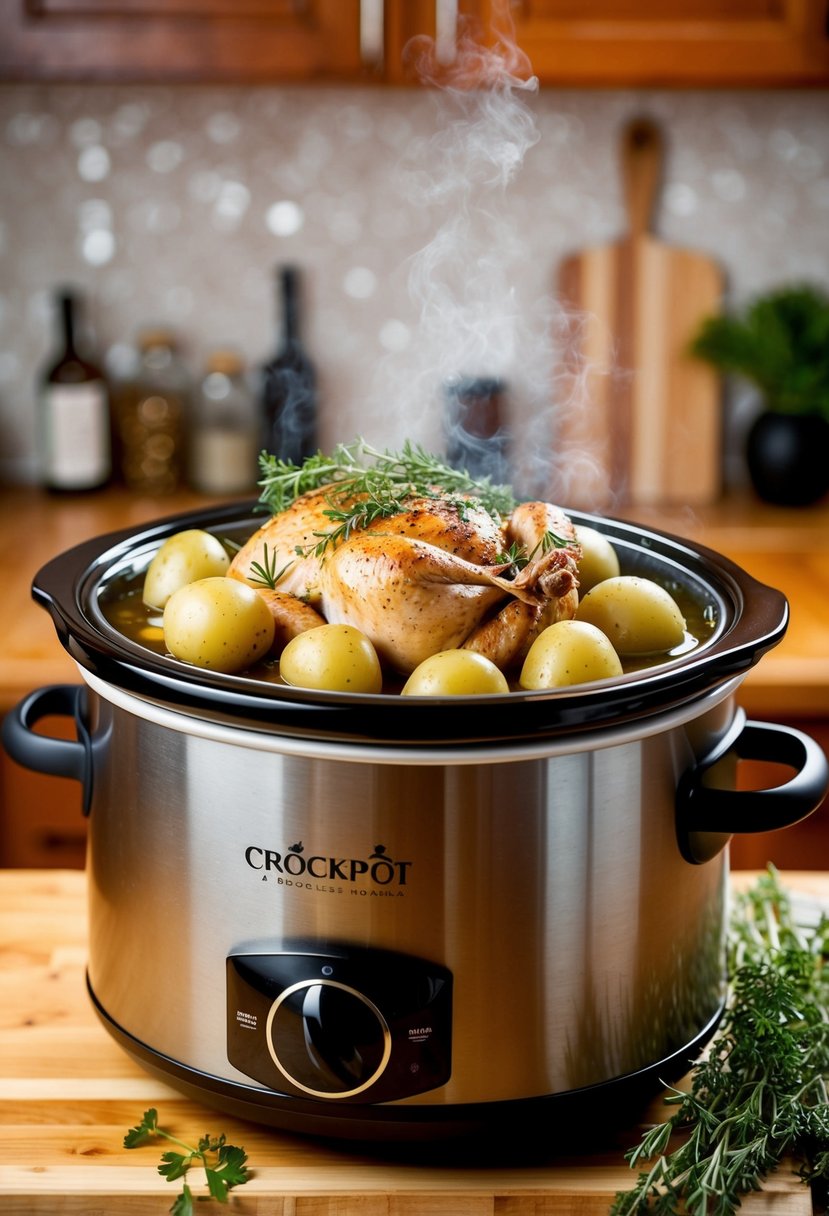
226,429
152,417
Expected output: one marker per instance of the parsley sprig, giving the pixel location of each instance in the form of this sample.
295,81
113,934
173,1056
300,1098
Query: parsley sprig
368,483
224,1164
760,1094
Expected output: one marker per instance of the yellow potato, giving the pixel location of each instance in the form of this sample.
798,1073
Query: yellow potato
338,658
455,673
569,652
218,623
638,615
182,559
598,558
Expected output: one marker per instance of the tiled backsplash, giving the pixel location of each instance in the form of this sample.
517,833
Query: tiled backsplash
176,205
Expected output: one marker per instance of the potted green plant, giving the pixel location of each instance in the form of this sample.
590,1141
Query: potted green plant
780,344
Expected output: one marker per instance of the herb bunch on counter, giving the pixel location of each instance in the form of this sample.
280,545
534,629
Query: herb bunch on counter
760,1093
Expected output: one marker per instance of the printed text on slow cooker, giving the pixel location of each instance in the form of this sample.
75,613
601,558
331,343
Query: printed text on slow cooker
377,874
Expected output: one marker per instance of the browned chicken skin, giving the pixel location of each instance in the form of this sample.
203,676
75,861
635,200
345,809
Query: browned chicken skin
420,581
506,637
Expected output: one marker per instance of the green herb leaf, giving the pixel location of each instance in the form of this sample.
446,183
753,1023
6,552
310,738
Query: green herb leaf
183,1205
175,1165
267,575
147,1127
233,1164
229,1171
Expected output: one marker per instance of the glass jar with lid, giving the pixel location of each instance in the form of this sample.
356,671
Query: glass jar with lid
152,413
225,439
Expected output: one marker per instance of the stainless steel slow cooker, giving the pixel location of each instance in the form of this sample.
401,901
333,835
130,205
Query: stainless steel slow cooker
371,916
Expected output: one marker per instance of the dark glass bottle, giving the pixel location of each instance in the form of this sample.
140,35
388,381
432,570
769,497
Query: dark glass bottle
74,423
289,388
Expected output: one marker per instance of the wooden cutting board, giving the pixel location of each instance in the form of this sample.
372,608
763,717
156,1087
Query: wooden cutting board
642,422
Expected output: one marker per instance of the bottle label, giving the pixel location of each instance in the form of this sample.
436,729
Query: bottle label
77,444
224,461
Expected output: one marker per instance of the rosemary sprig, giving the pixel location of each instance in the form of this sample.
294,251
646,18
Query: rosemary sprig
387,479
518,557
265,573
760,1094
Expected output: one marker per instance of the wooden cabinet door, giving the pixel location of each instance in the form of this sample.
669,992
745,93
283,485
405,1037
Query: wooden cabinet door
182,40
669,43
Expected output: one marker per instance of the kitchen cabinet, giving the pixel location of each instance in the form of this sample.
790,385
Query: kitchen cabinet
185,40
215,41
619,43
41,824
589,43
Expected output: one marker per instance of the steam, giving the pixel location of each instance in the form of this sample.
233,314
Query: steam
474,319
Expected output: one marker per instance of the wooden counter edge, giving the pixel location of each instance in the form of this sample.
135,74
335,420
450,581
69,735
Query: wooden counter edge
63,1151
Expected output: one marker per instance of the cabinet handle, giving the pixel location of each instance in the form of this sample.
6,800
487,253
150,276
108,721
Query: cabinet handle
446,31
371,33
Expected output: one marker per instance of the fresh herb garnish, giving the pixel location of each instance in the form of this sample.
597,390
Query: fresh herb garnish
518,557
368,484
265,572
224,1164
760,1094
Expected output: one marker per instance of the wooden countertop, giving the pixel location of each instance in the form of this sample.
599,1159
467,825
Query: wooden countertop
788,549
68,1094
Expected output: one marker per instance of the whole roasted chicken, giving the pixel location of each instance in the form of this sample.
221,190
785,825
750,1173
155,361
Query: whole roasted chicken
418,567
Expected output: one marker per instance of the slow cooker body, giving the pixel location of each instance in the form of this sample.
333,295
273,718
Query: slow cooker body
357,945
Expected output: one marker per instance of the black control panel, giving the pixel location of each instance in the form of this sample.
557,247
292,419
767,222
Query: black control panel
351,1025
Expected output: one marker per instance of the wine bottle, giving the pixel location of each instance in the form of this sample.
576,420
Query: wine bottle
74,430
289,390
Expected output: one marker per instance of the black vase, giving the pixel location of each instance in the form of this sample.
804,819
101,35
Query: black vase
788,458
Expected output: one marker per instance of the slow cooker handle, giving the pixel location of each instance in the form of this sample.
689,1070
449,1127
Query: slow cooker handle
44,753
708,816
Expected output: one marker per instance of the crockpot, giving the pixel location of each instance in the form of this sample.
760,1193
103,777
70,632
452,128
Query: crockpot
375,916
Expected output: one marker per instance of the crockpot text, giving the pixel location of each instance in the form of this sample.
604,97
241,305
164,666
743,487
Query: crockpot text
380,870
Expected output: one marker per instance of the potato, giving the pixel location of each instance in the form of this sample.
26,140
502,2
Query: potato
455,673
638,615
182,559
218,623
598,558
338,658
569,652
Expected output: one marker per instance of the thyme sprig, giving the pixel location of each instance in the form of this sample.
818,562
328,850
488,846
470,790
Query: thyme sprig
760,1094
368,483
